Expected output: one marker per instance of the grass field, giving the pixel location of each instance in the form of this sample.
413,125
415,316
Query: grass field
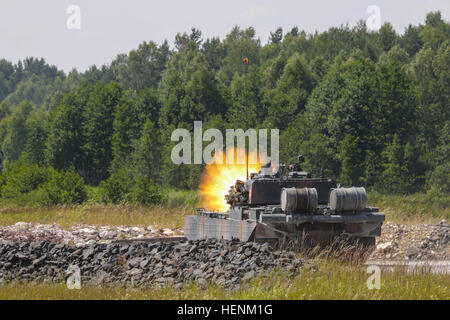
332,280
169,215
158,216
416,208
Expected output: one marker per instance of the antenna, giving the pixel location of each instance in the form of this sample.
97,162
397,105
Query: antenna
246,158
245,102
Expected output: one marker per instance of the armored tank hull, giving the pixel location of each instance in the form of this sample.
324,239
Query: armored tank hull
292,205
261,224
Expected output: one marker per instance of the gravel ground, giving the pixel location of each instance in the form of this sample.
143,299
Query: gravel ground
79,235
413,242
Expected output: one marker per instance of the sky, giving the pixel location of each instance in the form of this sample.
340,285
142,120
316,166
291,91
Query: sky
110,27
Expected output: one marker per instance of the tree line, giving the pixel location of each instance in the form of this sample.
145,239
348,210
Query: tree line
366,108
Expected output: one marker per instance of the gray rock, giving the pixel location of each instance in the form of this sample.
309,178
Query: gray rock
134,262
443,223
412,251
202,283
134,272
197,272
38,261
87,253
249,275
144,263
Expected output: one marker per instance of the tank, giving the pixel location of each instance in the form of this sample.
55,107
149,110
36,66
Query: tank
289,204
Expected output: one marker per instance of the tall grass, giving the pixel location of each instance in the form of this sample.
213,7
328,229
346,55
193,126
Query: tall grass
170,215
177,198
414,208
332,280
115,215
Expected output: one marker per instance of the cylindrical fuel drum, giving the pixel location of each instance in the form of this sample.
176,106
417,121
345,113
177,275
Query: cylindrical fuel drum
299,200
348,199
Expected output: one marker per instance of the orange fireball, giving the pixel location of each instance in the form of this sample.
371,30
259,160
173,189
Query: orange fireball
217,179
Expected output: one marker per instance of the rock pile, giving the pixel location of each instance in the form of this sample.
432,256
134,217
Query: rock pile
414,242
226,263
79,235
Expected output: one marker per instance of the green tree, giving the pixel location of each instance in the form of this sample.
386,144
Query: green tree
240,44
436,31
273,72
80,130
63,187
21,179
276,36
5,110
352,161
188,90
35,148
214,52
116,189
130,116
16,133
430,78
290,96
411,40
388,36
147,193
247,109
97,130
398,176
65,131
7,83
143,67
147,154
438,180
